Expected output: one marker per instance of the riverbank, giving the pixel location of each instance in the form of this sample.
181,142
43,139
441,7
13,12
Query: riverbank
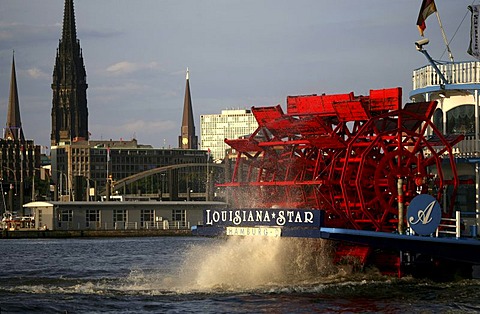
33,234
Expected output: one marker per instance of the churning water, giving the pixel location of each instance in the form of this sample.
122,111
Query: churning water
200,275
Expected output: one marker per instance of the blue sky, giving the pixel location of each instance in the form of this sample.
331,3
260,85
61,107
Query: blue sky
240,54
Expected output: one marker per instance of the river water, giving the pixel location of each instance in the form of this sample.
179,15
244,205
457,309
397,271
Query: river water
204,275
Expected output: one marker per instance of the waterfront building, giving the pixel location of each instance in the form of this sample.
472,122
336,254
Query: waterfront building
231,124
19,158
455,86
187,138
118,215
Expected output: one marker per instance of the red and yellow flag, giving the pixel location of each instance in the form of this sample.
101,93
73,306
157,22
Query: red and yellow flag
428,7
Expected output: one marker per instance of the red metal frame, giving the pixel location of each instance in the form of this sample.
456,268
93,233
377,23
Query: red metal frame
343,154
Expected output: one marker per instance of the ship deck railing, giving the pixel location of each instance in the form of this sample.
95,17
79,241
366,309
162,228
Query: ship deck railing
450,226
467,72
467,148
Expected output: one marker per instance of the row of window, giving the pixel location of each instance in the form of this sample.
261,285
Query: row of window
129,152
242,117
119,215
126,160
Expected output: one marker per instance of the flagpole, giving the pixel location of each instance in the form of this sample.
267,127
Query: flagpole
444,36
107,183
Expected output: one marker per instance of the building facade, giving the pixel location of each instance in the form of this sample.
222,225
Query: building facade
232,124
119,215
85,165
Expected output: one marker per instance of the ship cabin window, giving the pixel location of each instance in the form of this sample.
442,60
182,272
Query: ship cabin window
438,120
461,120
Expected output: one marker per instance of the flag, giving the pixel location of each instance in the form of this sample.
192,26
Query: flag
108,154
428,7
474,47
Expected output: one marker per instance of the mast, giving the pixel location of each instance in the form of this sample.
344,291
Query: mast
450,55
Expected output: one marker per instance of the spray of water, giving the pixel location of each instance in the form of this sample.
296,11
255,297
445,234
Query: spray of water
245,264
250,263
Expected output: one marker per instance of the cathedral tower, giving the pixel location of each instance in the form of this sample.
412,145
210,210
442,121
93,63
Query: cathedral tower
13,129
69,103
188,139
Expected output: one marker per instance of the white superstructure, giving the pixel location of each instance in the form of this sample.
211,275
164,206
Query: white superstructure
458,97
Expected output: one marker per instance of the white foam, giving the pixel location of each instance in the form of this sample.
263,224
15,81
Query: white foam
250,263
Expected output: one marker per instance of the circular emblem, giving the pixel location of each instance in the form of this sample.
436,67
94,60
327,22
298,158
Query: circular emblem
424,214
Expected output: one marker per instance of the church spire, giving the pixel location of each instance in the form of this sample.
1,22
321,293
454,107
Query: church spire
69,103
13,129
187,139
69,33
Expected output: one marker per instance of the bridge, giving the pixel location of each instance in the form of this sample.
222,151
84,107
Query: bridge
122,184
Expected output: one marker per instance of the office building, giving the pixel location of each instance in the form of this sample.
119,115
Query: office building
215,128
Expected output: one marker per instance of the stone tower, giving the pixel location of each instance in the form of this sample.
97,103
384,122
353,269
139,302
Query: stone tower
187,138
69,103
13,128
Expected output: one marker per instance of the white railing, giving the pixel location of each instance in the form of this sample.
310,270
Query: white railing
179,225
131,225
123,225
450,226
447,227
152,225
455,73
466,148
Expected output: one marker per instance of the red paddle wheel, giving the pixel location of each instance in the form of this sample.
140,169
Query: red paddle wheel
344,154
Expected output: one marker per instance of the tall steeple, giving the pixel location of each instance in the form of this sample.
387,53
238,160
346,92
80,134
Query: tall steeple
13,129
69,103
187,138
